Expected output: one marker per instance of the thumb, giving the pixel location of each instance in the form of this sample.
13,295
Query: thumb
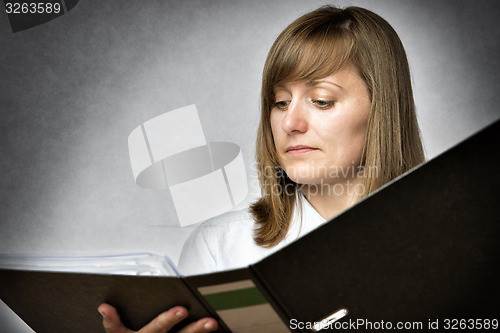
111,320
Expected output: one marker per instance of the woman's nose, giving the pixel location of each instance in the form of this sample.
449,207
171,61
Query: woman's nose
295,120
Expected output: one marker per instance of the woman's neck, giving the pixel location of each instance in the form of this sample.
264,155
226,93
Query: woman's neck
331,199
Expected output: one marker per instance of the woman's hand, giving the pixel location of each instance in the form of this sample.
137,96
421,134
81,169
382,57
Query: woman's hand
161,324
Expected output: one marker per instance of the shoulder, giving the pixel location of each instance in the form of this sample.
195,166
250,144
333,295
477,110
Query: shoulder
205,247
240,218
213,230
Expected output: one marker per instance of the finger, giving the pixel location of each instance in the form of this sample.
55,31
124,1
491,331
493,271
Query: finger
111,320
165,321
201,326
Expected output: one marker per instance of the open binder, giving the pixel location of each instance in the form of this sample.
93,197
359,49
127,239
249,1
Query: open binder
424,248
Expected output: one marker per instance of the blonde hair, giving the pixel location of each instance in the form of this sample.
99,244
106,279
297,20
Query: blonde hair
312,47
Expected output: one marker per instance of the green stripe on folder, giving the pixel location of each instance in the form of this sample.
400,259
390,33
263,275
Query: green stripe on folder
235,299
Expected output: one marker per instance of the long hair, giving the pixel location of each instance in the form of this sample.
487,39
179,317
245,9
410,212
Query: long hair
312,47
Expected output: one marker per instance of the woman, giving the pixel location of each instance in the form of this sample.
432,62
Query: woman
337,122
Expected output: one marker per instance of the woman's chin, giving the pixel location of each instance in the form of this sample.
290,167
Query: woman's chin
306,181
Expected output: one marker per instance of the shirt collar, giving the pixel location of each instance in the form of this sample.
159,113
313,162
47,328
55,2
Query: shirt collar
310,220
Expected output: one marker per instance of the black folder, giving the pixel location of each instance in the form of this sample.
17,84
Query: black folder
423,249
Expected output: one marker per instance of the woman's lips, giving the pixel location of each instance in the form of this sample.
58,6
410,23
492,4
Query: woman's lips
299,150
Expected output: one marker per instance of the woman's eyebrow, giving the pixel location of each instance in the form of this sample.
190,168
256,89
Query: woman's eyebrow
313,83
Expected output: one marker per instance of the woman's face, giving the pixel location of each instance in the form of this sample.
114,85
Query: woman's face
319,127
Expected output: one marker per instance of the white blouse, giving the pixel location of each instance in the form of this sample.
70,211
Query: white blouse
226,242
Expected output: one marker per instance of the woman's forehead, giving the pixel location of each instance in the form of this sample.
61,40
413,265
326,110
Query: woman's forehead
310,69
338,79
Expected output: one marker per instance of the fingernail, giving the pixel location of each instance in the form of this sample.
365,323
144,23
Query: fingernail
179,314
208,326
102,314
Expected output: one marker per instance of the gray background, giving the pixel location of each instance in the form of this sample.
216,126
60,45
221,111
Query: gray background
73,89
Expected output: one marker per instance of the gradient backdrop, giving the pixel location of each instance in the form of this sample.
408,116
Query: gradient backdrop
72,90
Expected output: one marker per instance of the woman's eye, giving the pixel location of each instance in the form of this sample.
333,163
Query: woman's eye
281,105
323,104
